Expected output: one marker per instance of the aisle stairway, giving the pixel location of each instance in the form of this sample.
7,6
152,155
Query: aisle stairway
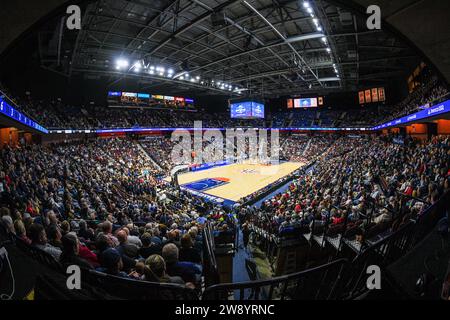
149,157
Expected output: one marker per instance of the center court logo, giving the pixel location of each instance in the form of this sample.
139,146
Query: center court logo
232,145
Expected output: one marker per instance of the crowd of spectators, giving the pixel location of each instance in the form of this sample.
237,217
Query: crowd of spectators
97,204
346,182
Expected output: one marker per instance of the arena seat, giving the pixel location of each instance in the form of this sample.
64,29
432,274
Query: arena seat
137,290
39,255
381,254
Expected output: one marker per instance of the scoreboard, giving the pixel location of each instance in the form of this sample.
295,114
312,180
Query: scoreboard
298,103
133,99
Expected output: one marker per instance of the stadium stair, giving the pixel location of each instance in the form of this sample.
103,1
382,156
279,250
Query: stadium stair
148,156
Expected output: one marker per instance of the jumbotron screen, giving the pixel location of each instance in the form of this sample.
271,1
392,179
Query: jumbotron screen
247,110
305,103
299,103
258,110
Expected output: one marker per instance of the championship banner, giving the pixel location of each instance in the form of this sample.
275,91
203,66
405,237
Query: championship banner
368,95
290,104
381,94
375,95
361,97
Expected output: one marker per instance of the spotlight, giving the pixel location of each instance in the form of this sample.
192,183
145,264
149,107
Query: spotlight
122,63
197,77
305,4
309,10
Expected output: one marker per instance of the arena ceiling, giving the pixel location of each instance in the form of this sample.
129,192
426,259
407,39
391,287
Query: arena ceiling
274,47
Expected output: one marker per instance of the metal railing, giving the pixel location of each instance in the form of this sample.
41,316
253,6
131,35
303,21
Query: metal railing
324,282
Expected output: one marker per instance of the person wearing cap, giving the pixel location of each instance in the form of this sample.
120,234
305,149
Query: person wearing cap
111,263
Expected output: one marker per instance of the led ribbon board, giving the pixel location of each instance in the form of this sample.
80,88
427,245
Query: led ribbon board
423,114
12,113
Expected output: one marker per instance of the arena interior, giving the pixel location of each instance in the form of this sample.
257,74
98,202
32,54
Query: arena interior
226,150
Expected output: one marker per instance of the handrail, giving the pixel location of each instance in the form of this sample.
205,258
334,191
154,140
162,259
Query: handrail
211,269
216,291
412,198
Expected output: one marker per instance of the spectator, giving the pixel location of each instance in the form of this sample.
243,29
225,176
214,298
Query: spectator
111,263
187,252
155,271
38,238
187,271
71,250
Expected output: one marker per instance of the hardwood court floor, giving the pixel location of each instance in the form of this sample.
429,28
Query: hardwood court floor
244,179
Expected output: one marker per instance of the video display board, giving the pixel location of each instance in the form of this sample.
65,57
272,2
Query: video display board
247,110
257,110
307,102
433,111
241,110
142,99
9,111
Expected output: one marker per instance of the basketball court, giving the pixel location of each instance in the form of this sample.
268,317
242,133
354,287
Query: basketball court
235,181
